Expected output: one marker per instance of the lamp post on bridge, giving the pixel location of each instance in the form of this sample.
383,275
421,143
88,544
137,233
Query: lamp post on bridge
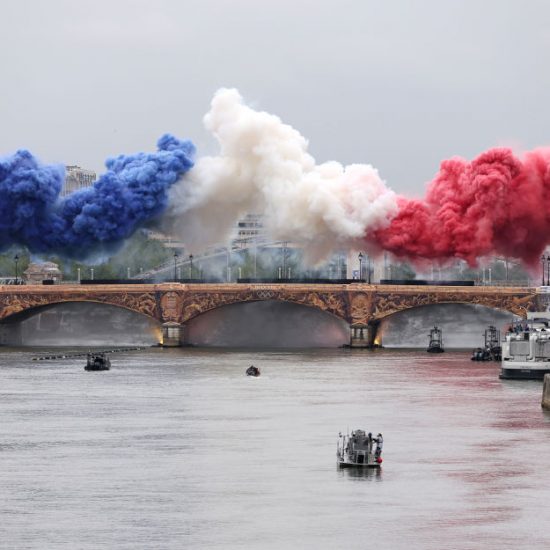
16,260
548,269
360,265
175,266
543,261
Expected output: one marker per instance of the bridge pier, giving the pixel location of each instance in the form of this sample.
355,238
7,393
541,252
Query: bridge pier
11,334
172,335
363,336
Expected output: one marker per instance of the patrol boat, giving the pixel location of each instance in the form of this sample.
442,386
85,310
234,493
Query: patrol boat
435,344
356,450
492,350
97,361
526,349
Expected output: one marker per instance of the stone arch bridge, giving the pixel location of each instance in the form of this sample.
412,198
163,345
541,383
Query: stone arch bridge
361,305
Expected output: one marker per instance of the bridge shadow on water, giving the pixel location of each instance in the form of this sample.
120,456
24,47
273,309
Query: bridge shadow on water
462,325
79,324
267,324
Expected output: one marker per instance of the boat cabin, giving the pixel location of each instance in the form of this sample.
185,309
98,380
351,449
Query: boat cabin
435,344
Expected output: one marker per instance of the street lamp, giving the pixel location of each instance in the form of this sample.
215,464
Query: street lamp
548,269
16,260
175,266
543,261
190,266
360,265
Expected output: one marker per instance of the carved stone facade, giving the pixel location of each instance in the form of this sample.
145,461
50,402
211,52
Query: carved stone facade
357,304
30,297
386,303
194,304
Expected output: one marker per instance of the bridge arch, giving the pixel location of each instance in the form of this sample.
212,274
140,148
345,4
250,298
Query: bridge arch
80,323
19,303
463,324
389,304
267,324
186,308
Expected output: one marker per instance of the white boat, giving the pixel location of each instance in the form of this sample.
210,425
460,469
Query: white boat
359,449
526,350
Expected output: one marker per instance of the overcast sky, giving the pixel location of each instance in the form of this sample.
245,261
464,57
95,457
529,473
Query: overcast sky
395,83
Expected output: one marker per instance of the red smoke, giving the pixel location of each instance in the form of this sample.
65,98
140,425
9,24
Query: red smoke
498,204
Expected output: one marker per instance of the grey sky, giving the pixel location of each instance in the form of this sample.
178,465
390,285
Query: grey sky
399,84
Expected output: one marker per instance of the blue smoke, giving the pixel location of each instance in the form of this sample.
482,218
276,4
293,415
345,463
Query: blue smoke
132,192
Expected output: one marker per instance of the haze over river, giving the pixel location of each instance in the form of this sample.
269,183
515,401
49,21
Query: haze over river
176,448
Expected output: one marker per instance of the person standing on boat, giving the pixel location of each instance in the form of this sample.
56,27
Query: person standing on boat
379,444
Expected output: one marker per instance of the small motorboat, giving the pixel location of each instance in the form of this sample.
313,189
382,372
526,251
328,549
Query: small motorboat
481,354
253,371
97,361
435,344
492,351
359,450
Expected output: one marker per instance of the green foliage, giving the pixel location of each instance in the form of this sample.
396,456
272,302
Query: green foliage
138,252
403,271
7,262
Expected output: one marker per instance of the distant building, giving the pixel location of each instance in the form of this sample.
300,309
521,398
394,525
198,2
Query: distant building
44,271
249,230
77,178
168,241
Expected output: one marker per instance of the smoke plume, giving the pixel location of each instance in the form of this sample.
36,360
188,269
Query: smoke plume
133,191
497,204
263,167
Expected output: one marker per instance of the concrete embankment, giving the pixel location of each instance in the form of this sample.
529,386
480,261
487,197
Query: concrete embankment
546,393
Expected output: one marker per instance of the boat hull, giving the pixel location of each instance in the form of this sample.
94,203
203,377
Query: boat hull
96,368
355,465
523,372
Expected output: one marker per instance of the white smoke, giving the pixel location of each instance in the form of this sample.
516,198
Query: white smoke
264,168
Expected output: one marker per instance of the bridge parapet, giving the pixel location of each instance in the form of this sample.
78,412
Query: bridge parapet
357,303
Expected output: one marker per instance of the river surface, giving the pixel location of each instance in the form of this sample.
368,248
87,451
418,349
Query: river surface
176,449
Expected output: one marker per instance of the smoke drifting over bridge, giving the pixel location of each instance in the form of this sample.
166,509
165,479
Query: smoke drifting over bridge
497,204
132,192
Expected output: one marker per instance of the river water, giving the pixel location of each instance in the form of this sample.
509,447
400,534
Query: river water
176,448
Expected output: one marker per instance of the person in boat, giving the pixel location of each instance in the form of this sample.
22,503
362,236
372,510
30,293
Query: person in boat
379,440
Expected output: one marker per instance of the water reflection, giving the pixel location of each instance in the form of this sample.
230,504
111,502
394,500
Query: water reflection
178,449
371,474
